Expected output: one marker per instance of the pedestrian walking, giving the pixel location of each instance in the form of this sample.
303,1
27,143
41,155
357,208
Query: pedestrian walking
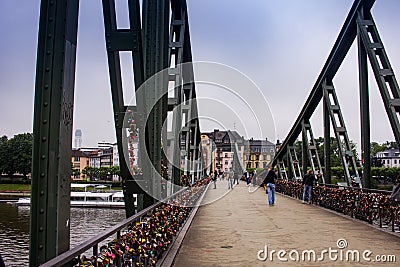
308,182
395,196
254,177
235,178
229,177
247,176
214,178
269,182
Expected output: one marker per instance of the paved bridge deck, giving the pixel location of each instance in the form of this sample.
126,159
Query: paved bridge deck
232,230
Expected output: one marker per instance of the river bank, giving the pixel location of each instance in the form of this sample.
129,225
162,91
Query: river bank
8,195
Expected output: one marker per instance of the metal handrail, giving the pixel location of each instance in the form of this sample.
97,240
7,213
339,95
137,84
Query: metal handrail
358,188
69,255
381,210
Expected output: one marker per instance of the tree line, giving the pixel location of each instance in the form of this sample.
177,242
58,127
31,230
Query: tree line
102,173
335,153
16,154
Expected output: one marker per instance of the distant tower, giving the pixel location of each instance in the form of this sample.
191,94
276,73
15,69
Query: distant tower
78,138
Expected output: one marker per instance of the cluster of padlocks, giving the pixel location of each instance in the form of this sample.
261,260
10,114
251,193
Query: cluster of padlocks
363,204
145,241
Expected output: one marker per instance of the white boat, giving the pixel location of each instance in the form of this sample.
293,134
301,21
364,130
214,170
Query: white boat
88,199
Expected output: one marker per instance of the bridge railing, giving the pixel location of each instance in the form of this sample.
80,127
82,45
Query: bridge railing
72,257
369,205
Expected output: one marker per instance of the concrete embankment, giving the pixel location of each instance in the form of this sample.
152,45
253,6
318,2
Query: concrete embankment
6,195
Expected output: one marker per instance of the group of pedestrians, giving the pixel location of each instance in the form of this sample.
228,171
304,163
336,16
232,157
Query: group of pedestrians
269,183
229,175
308,182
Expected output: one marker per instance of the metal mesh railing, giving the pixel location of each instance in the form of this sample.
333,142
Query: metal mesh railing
372,206
140,240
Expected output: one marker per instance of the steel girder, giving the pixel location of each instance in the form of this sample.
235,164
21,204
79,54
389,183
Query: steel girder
341,47
124,40
185,138
358,22
237,167
312,150
282,169
53,111
54,93
294,163
361,24
371,44
346,154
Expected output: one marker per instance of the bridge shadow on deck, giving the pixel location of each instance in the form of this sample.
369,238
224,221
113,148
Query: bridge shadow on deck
232,230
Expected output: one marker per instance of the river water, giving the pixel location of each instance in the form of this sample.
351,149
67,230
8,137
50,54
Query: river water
14,229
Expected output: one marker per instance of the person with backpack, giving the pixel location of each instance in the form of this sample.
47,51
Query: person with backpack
308,182
269,182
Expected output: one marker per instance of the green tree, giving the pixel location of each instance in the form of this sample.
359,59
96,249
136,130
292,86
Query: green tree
21,146
114,170
3,152
16,154
375,148
74,172
103,172
334,153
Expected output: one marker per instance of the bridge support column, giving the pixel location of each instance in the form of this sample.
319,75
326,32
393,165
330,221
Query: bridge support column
327,143
52,129
364,111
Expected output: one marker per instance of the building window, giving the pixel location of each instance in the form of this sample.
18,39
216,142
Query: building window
76,159
226,155
257,157
226,162
395,161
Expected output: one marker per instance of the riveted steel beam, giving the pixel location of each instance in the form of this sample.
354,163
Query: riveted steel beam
54,98
338,53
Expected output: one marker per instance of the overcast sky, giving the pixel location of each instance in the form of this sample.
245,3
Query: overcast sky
281,45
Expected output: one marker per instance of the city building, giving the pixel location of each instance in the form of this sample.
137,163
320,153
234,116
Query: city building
389,158
78,138
258,153
79,160
219,147
223,147
105,155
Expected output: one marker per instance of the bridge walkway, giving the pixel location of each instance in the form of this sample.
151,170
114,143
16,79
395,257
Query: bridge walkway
231,230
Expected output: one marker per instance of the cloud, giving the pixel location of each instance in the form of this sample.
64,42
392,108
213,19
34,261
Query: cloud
281,45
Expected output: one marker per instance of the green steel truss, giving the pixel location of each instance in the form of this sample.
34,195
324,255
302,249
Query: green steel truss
153,41
359,23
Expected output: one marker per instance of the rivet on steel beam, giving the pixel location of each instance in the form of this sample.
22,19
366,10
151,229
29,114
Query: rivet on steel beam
41,229
44,121
40,246
45,104
41,210
44,139
49,35
43,156
46,86
42,174
51,19
47,69
51,2
42,193
48,52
